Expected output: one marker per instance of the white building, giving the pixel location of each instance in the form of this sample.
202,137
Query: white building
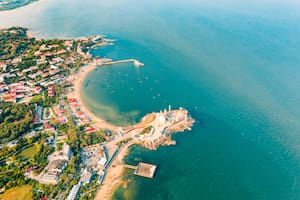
74,191
66,152
86,177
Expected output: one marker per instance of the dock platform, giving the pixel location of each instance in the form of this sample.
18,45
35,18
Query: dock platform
145,170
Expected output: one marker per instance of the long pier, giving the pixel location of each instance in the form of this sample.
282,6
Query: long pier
130,166
110,62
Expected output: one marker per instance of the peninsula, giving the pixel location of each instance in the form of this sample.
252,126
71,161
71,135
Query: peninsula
13,4
51,142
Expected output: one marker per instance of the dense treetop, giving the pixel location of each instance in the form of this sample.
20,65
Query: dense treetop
15,120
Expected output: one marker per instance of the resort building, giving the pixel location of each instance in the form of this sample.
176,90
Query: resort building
58,161
94,157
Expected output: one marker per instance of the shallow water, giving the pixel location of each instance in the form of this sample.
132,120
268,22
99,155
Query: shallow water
234,66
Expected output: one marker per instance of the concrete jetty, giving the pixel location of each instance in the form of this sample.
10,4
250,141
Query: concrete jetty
130,166
105,61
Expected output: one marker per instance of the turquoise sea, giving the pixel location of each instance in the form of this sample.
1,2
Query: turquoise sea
235,65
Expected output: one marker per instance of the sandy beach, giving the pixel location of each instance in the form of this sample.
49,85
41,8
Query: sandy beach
29,34
114,174
111,182
77,80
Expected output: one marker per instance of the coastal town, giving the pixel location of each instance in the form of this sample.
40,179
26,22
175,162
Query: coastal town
50,142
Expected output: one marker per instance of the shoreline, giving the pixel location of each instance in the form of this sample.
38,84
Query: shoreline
29,33
77,80
112,181
114,174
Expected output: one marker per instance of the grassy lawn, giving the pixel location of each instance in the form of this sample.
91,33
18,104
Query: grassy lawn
29,152
17,193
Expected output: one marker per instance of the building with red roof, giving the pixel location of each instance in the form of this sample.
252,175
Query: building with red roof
89,129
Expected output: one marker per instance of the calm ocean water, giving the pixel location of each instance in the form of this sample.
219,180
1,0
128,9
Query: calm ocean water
235,66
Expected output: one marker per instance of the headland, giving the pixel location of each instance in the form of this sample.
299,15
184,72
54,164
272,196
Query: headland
154,130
